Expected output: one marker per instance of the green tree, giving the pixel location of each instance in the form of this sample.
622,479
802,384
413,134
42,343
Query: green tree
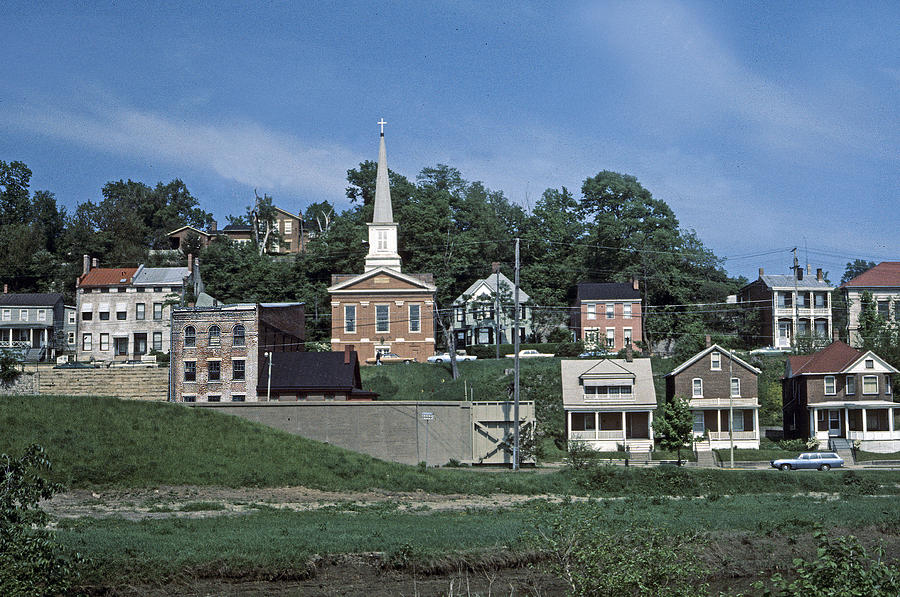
673,425
855,268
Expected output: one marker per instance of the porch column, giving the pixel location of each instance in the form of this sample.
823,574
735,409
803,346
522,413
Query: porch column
568,424
650,425
846,423
864,422
756,423
624,427
812,423
596,424
891,421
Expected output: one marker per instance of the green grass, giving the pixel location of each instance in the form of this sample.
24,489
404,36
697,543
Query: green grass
869,456
755,455
277,544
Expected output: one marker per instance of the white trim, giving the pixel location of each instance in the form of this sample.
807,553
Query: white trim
694,393
833,385
340,287
864,392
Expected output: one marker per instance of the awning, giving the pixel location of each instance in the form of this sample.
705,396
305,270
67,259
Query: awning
121,307
608,382
87,307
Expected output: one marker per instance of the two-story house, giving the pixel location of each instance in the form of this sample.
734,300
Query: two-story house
839,395
384,309
724,398
481,313
219,354
124,313
607,316
609,403
883,283
792,307
34,325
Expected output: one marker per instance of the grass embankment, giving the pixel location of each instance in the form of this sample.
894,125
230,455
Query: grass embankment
869,456
274,544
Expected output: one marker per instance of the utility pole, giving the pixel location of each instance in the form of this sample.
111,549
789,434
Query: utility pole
269,387
796,319
497,307
731,407
516,375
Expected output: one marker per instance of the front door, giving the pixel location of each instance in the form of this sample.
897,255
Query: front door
784,334
698,422
834,423
140,344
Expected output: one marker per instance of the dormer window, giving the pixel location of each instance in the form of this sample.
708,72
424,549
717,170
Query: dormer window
715,361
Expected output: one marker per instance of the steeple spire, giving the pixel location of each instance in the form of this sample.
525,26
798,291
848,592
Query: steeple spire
383,229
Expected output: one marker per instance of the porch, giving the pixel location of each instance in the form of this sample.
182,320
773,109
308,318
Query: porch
875,424
605,431
32,342
742,429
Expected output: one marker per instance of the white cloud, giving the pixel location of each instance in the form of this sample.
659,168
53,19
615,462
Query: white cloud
243,152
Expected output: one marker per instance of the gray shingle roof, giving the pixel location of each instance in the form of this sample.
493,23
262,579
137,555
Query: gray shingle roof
787,281
150,276
31,299
491,283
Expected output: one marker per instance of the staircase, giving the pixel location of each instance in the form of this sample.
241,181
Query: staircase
706,458
843,448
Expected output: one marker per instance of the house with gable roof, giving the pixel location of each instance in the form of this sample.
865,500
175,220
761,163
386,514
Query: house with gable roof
723,395
609,403
607,315
883,283
383,309
839,395
481,312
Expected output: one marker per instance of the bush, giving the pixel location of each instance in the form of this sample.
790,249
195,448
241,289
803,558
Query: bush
569,349
31,562
9,368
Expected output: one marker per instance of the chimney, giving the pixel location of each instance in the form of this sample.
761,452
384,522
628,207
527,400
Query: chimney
819,275
5,289
835,335
495,267
762,272
213,226
95,262
635,284
629,353
85,264
708,341
348,351
808,269
190,263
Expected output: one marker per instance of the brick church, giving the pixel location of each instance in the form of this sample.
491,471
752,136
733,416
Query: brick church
383,310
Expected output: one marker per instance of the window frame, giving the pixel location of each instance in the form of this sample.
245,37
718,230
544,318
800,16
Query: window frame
157,346
87,342
417,319
239,339
157,311
871,378
715,361
350,322
386,320
695,387
213,370
731,387
104,342
214,335
140,311
830,379
850,382
236,366
610,311
626,311
190,372
591,310
189,337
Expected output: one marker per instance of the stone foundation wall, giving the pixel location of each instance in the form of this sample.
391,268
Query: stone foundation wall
23,386
138,383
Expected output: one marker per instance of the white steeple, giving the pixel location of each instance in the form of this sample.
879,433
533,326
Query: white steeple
382,229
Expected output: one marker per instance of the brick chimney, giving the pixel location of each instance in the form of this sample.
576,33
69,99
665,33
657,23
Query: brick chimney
348,352
495,267
708,341
635,284
85,264
762,272
95,262
819,275
190,263
5,289
213,226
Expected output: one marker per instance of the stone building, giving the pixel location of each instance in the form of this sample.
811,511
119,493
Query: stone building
219,353
383,310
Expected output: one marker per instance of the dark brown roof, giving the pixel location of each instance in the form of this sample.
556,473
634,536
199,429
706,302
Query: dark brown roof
108,276
607,291
31,299
313,371
886,273
834,358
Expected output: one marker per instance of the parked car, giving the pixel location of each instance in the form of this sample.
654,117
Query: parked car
770,350
529,353
390,357
445,357
596,354
818,460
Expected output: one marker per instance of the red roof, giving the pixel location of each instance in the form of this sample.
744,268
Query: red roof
108,276
886,273
834,358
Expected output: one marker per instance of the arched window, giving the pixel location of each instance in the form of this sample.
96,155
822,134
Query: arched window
238,335
190,337
214,335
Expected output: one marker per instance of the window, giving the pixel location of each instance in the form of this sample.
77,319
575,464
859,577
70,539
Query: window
627,335
121,315
802,327
189,399
784,300
350,319
215,370
897,310
141,289
23,314
120,347
460,314
382,319
382,240
870,364
697,388
851,384
610,311
626,310
415,318
214,398
71,338
157,289
157,341
737,420
190,337
870,384
190,371
288,227
610,337
584,422
238,335
829,385
887,384
715,361
820,300
884,309
157,310
803,300
104,290
591,311
86,342
140,311
238,397
877,419
87,313
104,313
237,370
71,315
104,342
699,422
214,336
735,387
822,327
7,314
592,393
42,315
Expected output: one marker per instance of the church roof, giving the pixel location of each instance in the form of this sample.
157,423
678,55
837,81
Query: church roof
383,212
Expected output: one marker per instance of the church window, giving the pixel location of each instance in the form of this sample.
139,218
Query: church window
382,319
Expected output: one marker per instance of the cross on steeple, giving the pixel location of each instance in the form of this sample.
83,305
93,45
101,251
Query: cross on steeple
382,122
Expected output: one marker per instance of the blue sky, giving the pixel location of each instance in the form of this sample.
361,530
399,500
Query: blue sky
764,125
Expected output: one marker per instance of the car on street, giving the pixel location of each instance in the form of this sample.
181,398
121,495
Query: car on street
596,354
822,461
390,357
445,357
529,353
770,350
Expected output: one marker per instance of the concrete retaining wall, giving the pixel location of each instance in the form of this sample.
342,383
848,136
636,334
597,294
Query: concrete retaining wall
390,430
137,383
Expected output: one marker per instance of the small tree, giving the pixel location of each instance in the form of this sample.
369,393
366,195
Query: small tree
9,367
673,425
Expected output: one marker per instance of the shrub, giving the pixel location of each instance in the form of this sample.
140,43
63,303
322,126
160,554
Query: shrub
9,368
569,349
581,456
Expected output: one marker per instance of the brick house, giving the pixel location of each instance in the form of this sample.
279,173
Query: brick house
178,236
34,325
790,307
123,313
218,353
883,283
717,382
839,395
383,309
324,376
608,315
609,403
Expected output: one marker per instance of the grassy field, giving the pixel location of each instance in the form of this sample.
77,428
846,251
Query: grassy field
869,456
